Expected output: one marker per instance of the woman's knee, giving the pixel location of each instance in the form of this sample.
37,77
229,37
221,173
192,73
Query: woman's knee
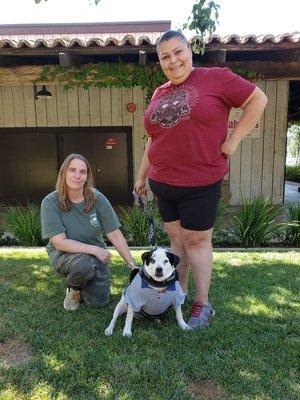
173,230
96,293
199,239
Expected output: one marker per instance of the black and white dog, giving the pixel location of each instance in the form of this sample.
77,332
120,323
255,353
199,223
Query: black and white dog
153,289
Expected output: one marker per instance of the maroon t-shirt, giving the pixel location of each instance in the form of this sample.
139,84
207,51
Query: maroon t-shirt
188,123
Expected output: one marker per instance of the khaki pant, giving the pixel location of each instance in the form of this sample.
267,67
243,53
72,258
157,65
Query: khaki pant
87,274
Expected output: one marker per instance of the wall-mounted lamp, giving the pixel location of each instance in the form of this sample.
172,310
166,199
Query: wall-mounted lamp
43,94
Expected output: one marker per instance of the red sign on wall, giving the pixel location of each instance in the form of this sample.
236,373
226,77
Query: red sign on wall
111,142
131,107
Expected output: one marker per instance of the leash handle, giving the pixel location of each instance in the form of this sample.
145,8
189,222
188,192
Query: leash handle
143,206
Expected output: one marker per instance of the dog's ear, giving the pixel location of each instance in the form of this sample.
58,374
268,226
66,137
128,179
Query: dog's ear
173,258
146,257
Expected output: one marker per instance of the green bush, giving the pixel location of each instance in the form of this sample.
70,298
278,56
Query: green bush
292,173
24,224
254,224
135,226
220,234
293,225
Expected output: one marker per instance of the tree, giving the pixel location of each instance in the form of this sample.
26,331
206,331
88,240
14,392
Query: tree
294,148
203,20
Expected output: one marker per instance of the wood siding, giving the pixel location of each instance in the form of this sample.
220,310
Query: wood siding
257,167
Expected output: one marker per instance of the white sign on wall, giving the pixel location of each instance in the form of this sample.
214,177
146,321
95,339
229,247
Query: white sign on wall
235,116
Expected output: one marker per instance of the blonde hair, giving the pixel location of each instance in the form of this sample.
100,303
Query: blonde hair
88,188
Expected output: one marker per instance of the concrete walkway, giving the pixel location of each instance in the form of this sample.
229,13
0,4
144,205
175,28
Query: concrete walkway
291,193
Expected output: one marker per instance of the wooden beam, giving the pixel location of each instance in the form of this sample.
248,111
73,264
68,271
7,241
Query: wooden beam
270,69
101,50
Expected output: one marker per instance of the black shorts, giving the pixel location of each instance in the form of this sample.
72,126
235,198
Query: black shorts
194,207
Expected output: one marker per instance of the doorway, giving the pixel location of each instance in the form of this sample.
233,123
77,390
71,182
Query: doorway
31,158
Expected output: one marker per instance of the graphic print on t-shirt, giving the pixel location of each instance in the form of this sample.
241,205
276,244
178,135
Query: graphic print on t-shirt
170,109
94,220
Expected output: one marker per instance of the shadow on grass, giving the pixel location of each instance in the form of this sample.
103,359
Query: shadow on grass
249,352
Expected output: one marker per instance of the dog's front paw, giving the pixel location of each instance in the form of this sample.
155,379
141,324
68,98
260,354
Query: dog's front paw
127,333
108,331
185,327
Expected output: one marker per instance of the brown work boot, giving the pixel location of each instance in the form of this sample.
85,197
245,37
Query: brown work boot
72,299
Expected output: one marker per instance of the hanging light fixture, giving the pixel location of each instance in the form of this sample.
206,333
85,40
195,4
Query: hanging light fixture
43,94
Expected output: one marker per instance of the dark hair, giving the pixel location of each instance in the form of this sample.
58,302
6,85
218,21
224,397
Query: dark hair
170,35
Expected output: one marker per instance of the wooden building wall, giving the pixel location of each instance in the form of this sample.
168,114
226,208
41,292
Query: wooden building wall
76,107
257,167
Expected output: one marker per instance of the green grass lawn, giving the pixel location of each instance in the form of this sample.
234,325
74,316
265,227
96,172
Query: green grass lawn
249,352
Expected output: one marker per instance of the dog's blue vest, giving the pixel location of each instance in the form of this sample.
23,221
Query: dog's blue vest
151,302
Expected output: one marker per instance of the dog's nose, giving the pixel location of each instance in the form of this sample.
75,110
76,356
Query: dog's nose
159,270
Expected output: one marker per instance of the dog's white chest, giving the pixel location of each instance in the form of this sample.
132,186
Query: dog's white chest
140,295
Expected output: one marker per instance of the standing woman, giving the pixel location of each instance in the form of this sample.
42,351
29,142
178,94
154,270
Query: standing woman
74,217
186,156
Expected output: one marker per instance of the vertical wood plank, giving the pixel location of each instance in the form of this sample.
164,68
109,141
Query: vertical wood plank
62,106
51,107
19,109
280,141
138,133
8,106
41,113
235,176
95,106
29,105
84,107
73,107
1,110
246,165
116,106
105,99
257,153
268,144
127,117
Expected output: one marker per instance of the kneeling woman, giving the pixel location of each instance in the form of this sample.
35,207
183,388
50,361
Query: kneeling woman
74,218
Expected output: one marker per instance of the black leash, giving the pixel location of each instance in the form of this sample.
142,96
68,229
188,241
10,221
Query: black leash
145,208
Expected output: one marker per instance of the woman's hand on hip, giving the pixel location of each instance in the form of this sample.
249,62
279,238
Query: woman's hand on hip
102,254
228,147
140,186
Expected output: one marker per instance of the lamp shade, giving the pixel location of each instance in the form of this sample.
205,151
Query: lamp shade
43,94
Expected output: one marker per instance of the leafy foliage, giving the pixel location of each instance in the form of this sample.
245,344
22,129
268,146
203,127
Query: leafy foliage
24,223
294,147
219,232
104,75
292,173
135,226
293,225
255,222
203,20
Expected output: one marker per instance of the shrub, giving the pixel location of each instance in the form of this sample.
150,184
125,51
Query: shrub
292,173
220,234
135,225
293,225
24,223
255,224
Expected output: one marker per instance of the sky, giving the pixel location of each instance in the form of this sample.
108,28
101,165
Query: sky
236,16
